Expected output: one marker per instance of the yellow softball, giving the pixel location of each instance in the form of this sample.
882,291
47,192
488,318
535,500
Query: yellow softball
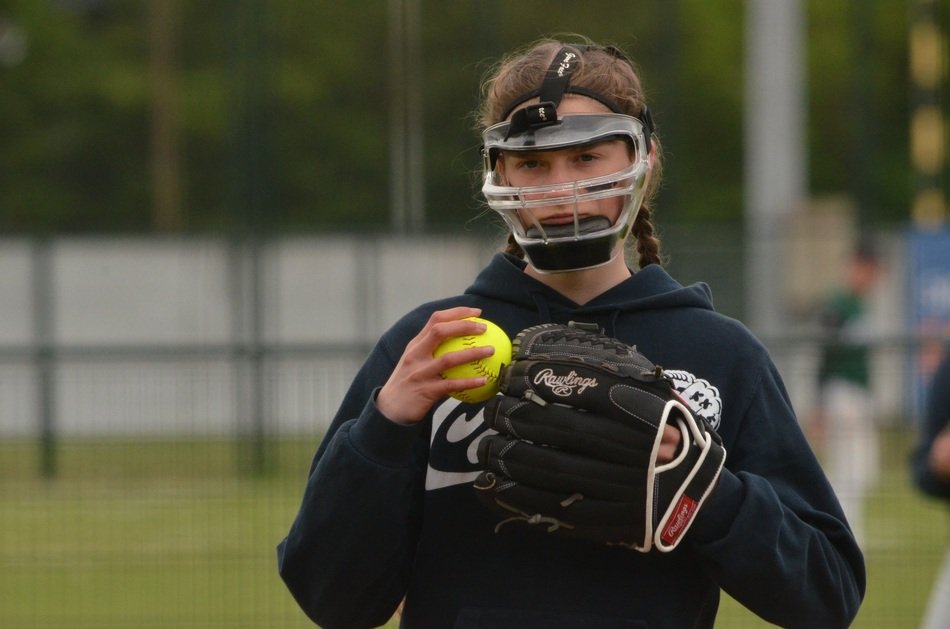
489,368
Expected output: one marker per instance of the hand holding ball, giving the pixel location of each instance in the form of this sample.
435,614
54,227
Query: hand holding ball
488,367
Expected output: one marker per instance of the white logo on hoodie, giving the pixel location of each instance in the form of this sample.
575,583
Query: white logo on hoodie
456,430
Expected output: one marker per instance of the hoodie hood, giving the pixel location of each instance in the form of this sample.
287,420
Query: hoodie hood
650,288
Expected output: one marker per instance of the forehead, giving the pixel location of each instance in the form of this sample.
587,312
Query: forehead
607,146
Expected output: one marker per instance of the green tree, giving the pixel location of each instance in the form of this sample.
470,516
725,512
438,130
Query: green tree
282,108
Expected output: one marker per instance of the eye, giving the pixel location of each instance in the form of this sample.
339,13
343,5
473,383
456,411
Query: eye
528,164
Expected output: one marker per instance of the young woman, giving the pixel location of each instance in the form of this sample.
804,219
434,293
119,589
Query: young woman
931,473
389,512
845,419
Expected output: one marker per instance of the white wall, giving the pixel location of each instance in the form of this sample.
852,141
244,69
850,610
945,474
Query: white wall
144,328
146,331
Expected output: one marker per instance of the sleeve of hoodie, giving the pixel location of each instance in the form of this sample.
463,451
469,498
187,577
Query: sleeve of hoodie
772,534
936,420
346,558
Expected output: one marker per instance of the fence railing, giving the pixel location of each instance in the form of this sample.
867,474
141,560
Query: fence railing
119,337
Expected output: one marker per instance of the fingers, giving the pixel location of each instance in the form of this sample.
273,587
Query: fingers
544,467
446,324
567,428
416,383
669,445
460,357
939,458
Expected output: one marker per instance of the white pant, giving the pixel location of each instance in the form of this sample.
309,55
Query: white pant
937,615
851,448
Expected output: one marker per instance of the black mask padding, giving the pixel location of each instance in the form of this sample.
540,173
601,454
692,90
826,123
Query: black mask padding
570,256
586,226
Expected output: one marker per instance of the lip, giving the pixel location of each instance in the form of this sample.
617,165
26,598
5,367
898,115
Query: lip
561,219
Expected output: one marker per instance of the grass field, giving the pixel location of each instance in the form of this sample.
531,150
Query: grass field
170,534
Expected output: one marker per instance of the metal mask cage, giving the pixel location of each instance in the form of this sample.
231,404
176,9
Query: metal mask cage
582,244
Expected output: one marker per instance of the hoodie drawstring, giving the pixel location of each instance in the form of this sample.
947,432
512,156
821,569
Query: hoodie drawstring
612,323
544,312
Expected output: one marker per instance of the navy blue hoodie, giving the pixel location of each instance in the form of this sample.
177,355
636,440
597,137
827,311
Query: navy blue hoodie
389,512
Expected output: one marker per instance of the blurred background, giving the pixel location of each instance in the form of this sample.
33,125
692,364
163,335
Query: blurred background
210,210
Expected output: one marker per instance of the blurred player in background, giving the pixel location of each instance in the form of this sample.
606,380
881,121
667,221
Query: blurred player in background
846,422
931,473
389,512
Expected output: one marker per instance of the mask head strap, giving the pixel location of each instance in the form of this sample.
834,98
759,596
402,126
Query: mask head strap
556,83
647,119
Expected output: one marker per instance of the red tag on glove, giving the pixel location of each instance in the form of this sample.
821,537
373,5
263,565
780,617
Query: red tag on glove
679,520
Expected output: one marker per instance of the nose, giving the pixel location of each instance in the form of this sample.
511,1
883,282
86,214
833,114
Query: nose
550,185
560,194
560,177
559,171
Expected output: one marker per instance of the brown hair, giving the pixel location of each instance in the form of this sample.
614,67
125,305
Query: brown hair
602,69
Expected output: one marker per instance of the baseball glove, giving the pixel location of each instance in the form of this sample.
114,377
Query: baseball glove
579,426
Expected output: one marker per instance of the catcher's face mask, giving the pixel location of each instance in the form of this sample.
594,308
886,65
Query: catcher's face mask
580,238
586,241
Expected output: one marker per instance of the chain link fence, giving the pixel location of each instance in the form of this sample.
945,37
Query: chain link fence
160,401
